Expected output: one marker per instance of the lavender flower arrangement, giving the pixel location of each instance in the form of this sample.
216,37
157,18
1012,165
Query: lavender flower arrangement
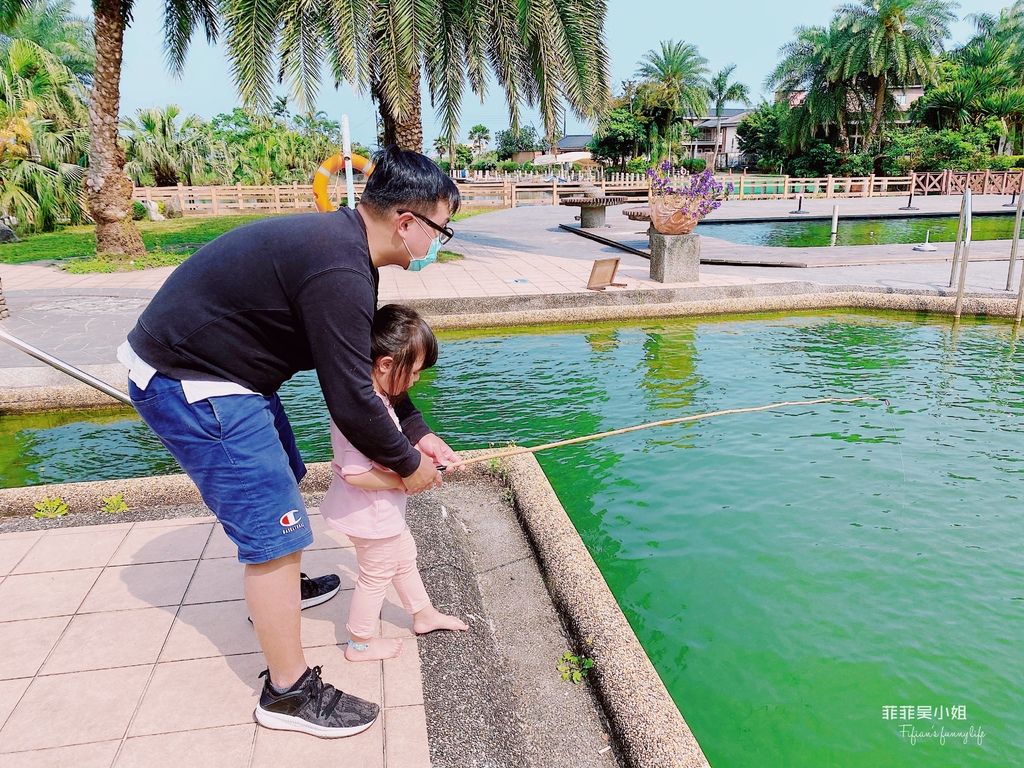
676,207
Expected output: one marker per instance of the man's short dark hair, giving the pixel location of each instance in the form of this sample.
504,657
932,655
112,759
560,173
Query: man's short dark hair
406,179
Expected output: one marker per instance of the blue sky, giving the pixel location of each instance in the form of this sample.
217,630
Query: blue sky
745,32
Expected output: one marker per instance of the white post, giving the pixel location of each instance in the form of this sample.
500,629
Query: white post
964,257
346,150
835,224
1016,238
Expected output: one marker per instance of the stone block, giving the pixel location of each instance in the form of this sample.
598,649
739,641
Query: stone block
675,258
592,217
4,312
7,234
172,208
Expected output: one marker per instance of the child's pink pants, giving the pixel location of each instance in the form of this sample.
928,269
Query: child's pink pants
383,562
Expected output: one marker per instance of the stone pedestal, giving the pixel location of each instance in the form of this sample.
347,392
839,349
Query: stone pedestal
4,312
592,217
675,258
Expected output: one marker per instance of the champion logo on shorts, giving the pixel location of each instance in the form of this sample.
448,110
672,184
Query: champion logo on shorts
291,521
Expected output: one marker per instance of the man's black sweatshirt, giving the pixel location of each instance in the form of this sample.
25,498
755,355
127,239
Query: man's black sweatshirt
278,296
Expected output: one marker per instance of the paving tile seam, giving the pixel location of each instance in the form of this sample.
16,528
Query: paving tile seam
163,649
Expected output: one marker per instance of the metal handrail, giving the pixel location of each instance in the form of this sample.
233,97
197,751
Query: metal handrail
67,368
958,242
1016,239
965,255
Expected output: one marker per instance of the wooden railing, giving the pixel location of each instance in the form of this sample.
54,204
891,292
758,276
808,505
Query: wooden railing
293,198
782,187
221,200
979,182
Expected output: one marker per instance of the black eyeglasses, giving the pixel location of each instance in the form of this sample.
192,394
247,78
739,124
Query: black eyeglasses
446,232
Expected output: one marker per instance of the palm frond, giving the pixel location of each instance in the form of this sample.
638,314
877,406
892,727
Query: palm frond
302,50
181,18
253,32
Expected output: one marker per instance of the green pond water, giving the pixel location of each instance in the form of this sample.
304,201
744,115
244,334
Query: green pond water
814,584
803,233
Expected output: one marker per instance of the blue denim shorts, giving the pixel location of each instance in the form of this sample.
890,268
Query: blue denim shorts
240,452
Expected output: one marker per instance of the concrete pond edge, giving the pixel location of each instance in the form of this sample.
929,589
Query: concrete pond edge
647,726
644,719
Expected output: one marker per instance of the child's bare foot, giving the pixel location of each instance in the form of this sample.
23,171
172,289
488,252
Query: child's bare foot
430,619
377,648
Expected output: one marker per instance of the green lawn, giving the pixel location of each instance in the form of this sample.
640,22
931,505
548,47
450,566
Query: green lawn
171,238
167,242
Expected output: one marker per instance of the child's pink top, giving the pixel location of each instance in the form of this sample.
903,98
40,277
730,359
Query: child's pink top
355,511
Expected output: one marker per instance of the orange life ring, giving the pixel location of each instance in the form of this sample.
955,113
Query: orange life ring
332,165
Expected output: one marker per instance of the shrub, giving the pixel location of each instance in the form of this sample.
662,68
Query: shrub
637,165
819,159
1018,161
1000,163
925,149
694,164
507,166
767,165
139,211
856,165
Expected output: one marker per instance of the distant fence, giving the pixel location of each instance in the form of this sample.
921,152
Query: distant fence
221,200
979,182
484,192
782,187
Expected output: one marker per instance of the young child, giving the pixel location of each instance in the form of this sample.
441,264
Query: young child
367,502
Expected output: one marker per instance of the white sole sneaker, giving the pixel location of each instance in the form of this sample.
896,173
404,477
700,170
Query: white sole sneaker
311,601
279,722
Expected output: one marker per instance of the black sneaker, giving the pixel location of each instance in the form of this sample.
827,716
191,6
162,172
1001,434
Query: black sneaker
318,590
314,707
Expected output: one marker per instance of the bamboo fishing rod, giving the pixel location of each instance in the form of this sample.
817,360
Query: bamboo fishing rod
697,417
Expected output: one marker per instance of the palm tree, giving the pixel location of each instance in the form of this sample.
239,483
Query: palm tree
52,26
982,80
549,55
721,91
1007,26
479,135
1006,32
441,145
676,79
159,148
42,136
895,42
807,76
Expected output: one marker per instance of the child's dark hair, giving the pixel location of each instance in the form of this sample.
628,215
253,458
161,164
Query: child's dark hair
407,179
400,333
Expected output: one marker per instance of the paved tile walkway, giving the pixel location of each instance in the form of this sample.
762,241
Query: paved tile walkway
129,643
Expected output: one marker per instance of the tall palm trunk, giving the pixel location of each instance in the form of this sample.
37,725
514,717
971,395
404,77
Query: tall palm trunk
403,130
877,112
718,141
844,134
107,188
